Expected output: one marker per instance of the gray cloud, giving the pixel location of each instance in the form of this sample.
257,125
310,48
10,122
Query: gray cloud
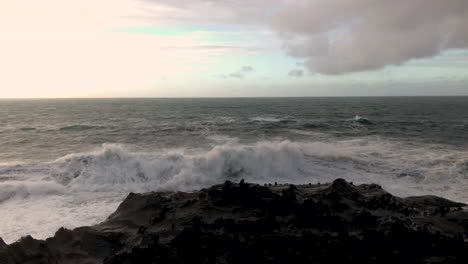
242,72
341,36
350,36
247,69
296,73
216,11
236,75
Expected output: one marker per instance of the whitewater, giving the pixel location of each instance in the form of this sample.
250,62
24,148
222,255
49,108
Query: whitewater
71,162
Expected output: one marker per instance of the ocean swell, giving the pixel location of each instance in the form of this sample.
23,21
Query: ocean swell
78,128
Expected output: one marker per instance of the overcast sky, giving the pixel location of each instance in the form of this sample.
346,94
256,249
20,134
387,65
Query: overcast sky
223,48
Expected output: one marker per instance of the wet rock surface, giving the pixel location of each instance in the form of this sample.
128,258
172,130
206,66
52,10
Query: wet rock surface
247,223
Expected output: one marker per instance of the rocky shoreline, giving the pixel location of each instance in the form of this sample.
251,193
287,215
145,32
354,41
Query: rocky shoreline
244,223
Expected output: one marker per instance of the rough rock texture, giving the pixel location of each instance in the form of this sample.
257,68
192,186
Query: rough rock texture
245,223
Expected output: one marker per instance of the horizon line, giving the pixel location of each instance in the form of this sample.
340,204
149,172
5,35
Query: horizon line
225,97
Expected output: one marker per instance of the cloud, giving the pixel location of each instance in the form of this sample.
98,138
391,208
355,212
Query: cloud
236,75
215,47
247,69
242,72
341,36
209,11
351,36
296,73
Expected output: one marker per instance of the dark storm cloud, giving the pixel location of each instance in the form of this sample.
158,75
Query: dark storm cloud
340,36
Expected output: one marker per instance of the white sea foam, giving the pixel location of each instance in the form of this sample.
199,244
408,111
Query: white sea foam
265,119
84,188
223,139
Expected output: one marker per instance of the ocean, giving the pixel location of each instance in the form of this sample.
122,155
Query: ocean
70,162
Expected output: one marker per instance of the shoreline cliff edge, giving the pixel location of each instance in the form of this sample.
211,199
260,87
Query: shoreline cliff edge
335,222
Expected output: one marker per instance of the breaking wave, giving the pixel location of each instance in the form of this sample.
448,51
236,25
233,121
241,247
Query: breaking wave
114,168
362,120
83,188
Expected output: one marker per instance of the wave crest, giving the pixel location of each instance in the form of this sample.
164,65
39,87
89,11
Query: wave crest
84,188
113,167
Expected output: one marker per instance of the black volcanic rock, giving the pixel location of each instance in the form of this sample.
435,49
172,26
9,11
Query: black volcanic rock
248,223
2,243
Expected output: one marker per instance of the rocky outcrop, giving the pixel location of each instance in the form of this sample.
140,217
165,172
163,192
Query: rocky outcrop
248,223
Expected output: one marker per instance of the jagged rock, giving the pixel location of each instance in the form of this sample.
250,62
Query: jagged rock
247,223
2,243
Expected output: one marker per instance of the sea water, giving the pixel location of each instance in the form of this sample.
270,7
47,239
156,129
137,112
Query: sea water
70,162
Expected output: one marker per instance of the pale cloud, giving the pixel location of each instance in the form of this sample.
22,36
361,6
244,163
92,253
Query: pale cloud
222,48
340,36
209,11
247,69
242,72
296,73
237,75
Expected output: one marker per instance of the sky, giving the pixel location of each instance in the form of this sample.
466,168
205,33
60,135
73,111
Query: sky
232,48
